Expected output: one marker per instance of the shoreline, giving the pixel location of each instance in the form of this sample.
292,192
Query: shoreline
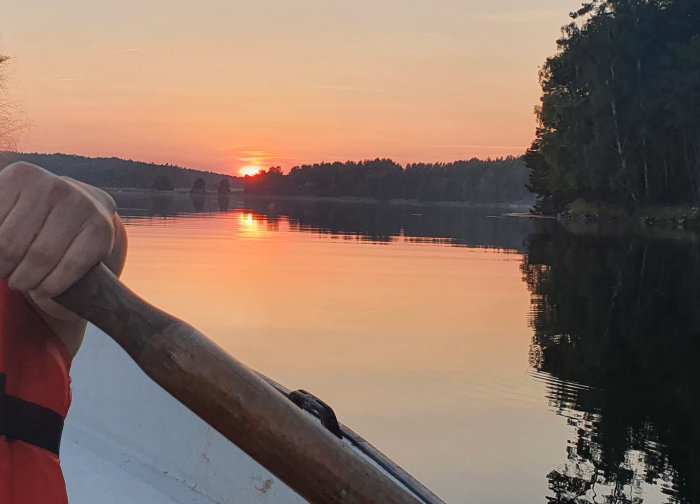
341,199
685,217
176,191
665,222
397,202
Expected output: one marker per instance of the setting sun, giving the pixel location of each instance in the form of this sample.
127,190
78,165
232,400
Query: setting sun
249,171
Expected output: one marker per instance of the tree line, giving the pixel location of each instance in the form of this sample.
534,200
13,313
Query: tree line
123,173
486,181
619,119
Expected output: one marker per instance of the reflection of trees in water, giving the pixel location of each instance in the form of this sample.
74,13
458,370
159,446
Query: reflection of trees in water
224,200
617,326
383,222
371,222
161,202
170,204
198,200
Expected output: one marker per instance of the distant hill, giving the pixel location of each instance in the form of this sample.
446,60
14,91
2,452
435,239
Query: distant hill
115,172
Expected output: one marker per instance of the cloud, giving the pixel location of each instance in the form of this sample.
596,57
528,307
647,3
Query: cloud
353,89
251,156
475,146
523,16
125,51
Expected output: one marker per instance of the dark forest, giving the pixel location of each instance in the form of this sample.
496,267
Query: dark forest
490,181
619,120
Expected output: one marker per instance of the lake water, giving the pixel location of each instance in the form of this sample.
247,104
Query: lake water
497,360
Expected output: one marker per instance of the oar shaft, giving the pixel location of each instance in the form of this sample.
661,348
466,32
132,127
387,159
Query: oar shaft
231,398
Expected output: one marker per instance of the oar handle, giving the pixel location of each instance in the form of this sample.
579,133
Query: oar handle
231,398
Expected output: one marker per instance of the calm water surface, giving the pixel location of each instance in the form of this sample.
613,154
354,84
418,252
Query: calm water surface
496,360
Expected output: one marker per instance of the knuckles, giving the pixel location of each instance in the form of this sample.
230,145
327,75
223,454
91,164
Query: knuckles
21,173
58,190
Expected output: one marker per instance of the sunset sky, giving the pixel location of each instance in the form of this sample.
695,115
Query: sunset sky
222,85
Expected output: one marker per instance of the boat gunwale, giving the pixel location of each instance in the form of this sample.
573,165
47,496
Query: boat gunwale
375,455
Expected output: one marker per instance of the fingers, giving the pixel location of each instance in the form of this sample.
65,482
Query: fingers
17,232
7,204
88,248
45,252
13,179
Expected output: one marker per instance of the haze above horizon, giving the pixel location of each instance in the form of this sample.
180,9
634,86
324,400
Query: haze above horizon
226,86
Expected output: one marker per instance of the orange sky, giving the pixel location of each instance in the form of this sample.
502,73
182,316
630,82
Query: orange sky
220,85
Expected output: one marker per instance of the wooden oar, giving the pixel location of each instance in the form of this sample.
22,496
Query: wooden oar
232,398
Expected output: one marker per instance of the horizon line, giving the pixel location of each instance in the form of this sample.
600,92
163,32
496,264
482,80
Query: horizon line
310,163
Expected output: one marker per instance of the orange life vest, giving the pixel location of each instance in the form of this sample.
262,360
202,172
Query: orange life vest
34,365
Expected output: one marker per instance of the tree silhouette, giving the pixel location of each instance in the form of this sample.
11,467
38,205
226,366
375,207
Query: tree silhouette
199,186
619,119
162,183
499,180
224,186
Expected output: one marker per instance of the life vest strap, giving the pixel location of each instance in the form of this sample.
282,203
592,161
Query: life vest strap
29,422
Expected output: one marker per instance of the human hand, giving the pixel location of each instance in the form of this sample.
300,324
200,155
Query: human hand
52,231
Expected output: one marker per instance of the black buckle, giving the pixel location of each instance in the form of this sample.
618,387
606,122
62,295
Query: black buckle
319,409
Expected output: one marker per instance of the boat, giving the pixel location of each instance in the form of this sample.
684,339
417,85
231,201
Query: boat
126,440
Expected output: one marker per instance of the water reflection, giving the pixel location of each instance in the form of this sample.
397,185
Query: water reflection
143,204
616,323
469,226
375,222
224,201
198,201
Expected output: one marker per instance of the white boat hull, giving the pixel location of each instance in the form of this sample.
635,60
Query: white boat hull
128,441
